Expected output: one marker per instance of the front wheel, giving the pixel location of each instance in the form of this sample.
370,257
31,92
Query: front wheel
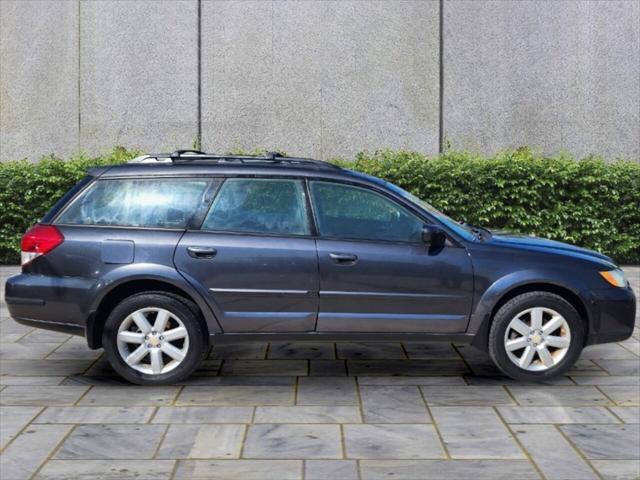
536,336
153,339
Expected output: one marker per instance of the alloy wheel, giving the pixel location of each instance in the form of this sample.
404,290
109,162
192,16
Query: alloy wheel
537,339
153,341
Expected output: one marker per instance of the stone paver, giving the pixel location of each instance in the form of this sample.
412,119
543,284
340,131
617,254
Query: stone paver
25,351
618,469
22,458
552,453
472,395
327,391
578,396
406,367
265,367
620,367
287,441
448,470
400,381
101,442
625,395
202,441
606,442
236,395
95,415
41,395
393,405
557,415
327,368
358,350
331,469
107,469
304,350
608,380
74,348
14,419
35,380
392,441
235,351
475,432
115,395
239,469
315,411
308,414
627,414
433,350
203,415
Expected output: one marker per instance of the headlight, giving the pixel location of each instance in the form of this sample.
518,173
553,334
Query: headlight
615,277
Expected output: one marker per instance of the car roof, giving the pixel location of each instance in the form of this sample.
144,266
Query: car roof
197,164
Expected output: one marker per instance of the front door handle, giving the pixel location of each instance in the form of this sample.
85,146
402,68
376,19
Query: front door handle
201,252
343,258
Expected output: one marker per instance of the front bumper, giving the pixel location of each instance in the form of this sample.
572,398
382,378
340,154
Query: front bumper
613,314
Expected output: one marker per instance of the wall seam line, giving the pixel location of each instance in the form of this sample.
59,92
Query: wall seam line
199,121
79,83
441,79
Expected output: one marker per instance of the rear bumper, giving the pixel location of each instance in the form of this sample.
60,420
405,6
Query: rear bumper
52,303
614,312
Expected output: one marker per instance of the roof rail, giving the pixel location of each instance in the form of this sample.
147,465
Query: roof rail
271,158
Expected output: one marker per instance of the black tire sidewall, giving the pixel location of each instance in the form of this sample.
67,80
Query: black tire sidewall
175,306
522,302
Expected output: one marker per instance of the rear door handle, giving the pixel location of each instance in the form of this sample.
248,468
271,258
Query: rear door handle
343,258
201,252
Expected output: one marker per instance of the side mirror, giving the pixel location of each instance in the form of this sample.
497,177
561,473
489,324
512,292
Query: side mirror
433,235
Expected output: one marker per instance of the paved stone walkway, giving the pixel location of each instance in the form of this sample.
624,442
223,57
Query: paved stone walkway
315,411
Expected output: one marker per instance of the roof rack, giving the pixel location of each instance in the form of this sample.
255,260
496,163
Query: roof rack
271,158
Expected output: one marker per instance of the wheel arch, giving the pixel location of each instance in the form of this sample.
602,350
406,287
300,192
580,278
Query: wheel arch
484,318
128,287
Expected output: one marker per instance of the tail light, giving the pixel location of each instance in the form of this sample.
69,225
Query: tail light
39,240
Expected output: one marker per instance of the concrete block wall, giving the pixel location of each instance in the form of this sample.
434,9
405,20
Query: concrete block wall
39,102
319,78
138,74
559,75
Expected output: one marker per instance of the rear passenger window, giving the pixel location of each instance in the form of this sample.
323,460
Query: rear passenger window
253,205
159,203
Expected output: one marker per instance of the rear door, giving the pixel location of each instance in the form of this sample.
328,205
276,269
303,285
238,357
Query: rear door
254,258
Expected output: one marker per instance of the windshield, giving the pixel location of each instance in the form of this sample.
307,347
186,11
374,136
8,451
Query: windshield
462,230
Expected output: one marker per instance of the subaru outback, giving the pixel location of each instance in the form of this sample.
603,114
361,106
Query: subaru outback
158,259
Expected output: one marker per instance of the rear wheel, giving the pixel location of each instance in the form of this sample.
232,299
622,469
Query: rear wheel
535,336
153,338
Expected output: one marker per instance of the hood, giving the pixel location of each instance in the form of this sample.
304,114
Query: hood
543,244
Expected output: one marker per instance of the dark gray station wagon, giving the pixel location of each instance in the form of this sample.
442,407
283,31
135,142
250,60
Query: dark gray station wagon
158,259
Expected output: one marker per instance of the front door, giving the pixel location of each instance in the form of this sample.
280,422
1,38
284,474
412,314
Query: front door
254,258
376,274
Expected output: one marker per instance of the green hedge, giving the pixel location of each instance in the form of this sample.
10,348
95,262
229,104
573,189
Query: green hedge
28,190
587,202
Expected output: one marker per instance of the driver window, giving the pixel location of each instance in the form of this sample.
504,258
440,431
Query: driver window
346,211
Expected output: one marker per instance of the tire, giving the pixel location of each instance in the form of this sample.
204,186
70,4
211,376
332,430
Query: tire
151,364
531,362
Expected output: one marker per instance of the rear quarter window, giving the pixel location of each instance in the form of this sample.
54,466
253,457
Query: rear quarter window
159,203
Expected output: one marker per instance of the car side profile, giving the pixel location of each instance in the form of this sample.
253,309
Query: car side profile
159,259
